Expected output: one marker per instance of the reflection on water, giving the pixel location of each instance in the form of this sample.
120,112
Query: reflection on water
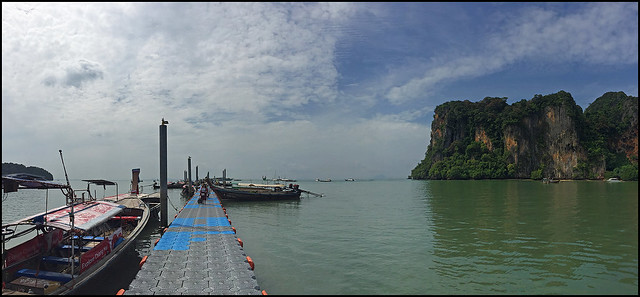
512,236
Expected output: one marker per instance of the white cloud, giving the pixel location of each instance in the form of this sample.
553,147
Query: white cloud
217,72
600,33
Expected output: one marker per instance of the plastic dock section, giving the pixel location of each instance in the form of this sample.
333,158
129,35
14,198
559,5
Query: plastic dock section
198,254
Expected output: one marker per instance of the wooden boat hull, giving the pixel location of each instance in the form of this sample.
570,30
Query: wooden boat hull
120,249
255,194
133,207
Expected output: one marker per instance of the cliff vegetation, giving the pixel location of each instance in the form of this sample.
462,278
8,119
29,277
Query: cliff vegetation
547,136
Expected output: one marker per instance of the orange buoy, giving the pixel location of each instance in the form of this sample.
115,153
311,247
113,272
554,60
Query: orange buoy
264,292
234,229
156,243
240,241
144,259
120,292
250,262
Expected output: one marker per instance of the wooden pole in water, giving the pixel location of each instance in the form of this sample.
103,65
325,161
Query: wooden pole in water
163,174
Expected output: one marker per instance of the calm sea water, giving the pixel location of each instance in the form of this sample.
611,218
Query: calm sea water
428,237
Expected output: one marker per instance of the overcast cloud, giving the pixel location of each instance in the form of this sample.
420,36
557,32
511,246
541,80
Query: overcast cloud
298,90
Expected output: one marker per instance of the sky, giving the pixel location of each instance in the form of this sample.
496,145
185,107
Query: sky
299,90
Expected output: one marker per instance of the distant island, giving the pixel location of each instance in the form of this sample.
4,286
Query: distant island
10,168
545,137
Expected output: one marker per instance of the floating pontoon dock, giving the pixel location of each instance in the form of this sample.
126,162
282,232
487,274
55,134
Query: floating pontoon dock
198,254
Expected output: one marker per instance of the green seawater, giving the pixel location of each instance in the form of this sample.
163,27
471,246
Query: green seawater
446,237
424,237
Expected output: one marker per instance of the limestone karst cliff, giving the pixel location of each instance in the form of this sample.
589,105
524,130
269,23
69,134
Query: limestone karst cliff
547,136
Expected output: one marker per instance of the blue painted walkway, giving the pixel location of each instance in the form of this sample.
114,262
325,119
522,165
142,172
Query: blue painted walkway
198,254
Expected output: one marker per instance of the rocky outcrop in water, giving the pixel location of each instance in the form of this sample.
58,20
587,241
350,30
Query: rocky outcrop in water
547,136
10,168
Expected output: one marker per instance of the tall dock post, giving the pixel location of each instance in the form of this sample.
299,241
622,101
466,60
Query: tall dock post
163,174
189,169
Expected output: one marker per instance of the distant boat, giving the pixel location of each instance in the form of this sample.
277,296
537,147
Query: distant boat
614,180
323,180
170,185
349,179
279,179
257,193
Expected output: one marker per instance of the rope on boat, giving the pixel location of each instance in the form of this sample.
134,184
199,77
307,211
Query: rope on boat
308,192
174,207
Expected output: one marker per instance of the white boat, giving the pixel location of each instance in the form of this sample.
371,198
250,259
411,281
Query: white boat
279,179
60,250
614,180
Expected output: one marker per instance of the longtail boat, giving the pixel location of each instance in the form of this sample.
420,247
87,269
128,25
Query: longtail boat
257,193
60,250
170,185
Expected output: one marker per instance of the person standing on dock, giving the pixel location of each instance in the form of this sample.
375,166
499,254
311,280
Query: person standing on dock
204,194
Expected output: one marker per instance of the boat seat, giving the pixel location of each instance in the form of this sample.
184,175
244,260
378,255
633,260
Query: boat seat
90,238
59,260
80,248
120,240
48,275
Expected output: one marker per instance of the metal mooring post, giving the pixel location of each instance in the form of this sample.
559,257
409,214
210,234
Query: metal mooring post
189,169
163,174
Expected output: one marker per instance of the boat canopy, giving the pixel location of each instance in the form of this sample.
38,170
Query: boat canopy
87,215
11,183
100,182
